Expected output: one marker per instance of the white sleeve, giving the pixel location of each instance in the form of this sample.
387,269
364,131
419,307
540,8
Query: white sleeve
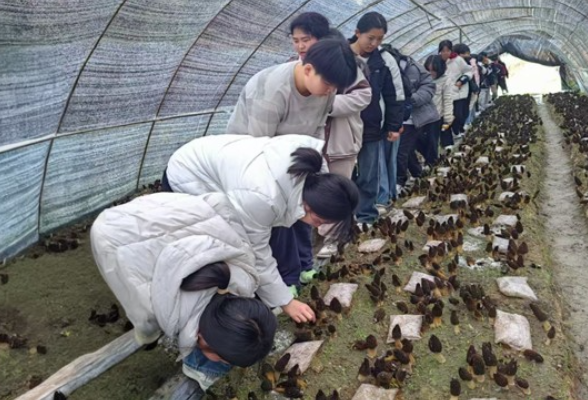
258,216
396,77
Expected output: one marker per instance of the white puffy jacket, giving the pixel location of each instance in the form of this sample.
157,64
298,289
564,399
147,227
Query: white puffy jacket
443,99
252,172
145,248
456,68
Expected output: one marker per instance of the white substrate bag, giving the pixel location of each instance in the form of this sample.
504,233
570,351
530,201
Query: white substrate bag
516,286
410,326
513,330
342,291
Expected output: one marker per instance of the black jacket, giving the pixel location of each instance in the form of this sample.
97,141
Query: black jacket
380,80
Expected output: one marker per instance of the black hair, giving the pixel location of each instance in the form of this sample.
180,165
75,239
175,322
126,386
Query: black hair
240,330
369,21
331,196
334,61
482,55
335,33
461,48
436,63
444,44
312,23
212,275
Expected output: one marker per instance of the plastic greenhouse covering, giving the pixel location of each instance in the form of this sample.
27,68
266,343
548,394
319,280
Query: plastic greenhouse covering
95,95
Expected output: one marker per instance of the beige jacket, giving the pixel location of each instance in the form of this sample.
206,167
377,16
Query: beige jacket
344,127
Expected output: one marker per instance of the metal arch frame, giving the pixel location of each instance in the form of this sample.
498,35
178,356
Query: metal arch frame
566,56
437,37
69,97
577,21
538,6
518,7
230,82
169,85
560,36
422,7
420,33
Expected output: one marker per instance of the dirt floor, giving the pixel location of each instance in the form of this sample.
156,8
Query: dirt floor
49,297
567,226
48,301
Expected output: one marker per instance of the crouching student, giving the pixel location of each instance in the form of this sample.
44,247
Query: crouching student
182,265
271,182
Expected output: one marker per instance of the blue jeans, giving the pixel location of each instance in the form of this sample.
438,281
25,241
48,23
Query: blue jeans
366,178
388,155
202,370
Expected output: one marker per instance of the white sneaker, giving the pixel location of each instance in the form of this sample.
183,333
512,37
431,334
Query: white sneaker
382,209
360,225
466,127
400,190
327,251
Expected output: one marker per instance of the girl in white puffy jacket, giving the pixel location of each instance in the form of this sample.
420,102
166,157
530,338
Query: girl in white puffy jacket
271,182
165,256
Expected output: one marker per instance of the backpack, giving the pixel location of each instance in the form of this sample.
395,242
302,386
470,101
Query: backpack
399,57
403,63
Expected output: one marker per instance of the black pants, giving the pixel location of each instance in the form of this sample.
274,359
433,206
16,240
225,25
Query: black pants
292,249
407,160
428,142
460,111
502,84
165,187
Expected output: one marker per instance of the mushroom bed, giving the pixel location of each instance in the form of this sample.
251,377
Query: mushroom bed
463,245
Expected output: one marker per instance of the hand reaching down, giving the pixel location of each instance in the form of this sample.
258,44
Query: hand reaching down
299,311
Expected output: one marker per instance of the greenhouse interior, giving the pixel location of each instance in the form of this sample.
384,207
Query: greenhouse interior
468,283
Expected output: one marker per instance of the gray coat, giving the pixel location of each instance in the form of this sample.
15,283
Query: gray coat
423,90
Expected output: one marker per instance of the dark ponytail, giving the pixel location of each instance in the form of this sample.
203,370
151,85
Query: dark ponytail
306,161
212,275
332,197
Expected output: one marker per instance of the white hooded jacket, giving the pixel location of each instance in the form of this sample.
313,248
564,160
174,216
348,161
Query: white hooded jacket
145,248
252,172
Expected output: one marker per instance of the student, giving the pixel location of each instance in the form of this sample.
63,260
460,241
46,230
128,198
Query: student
460,73
503,75
344,127
423,113
485,81
343,136
443,100
271,182
378,123
296,97
307,29
167,257
387,191
474,89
